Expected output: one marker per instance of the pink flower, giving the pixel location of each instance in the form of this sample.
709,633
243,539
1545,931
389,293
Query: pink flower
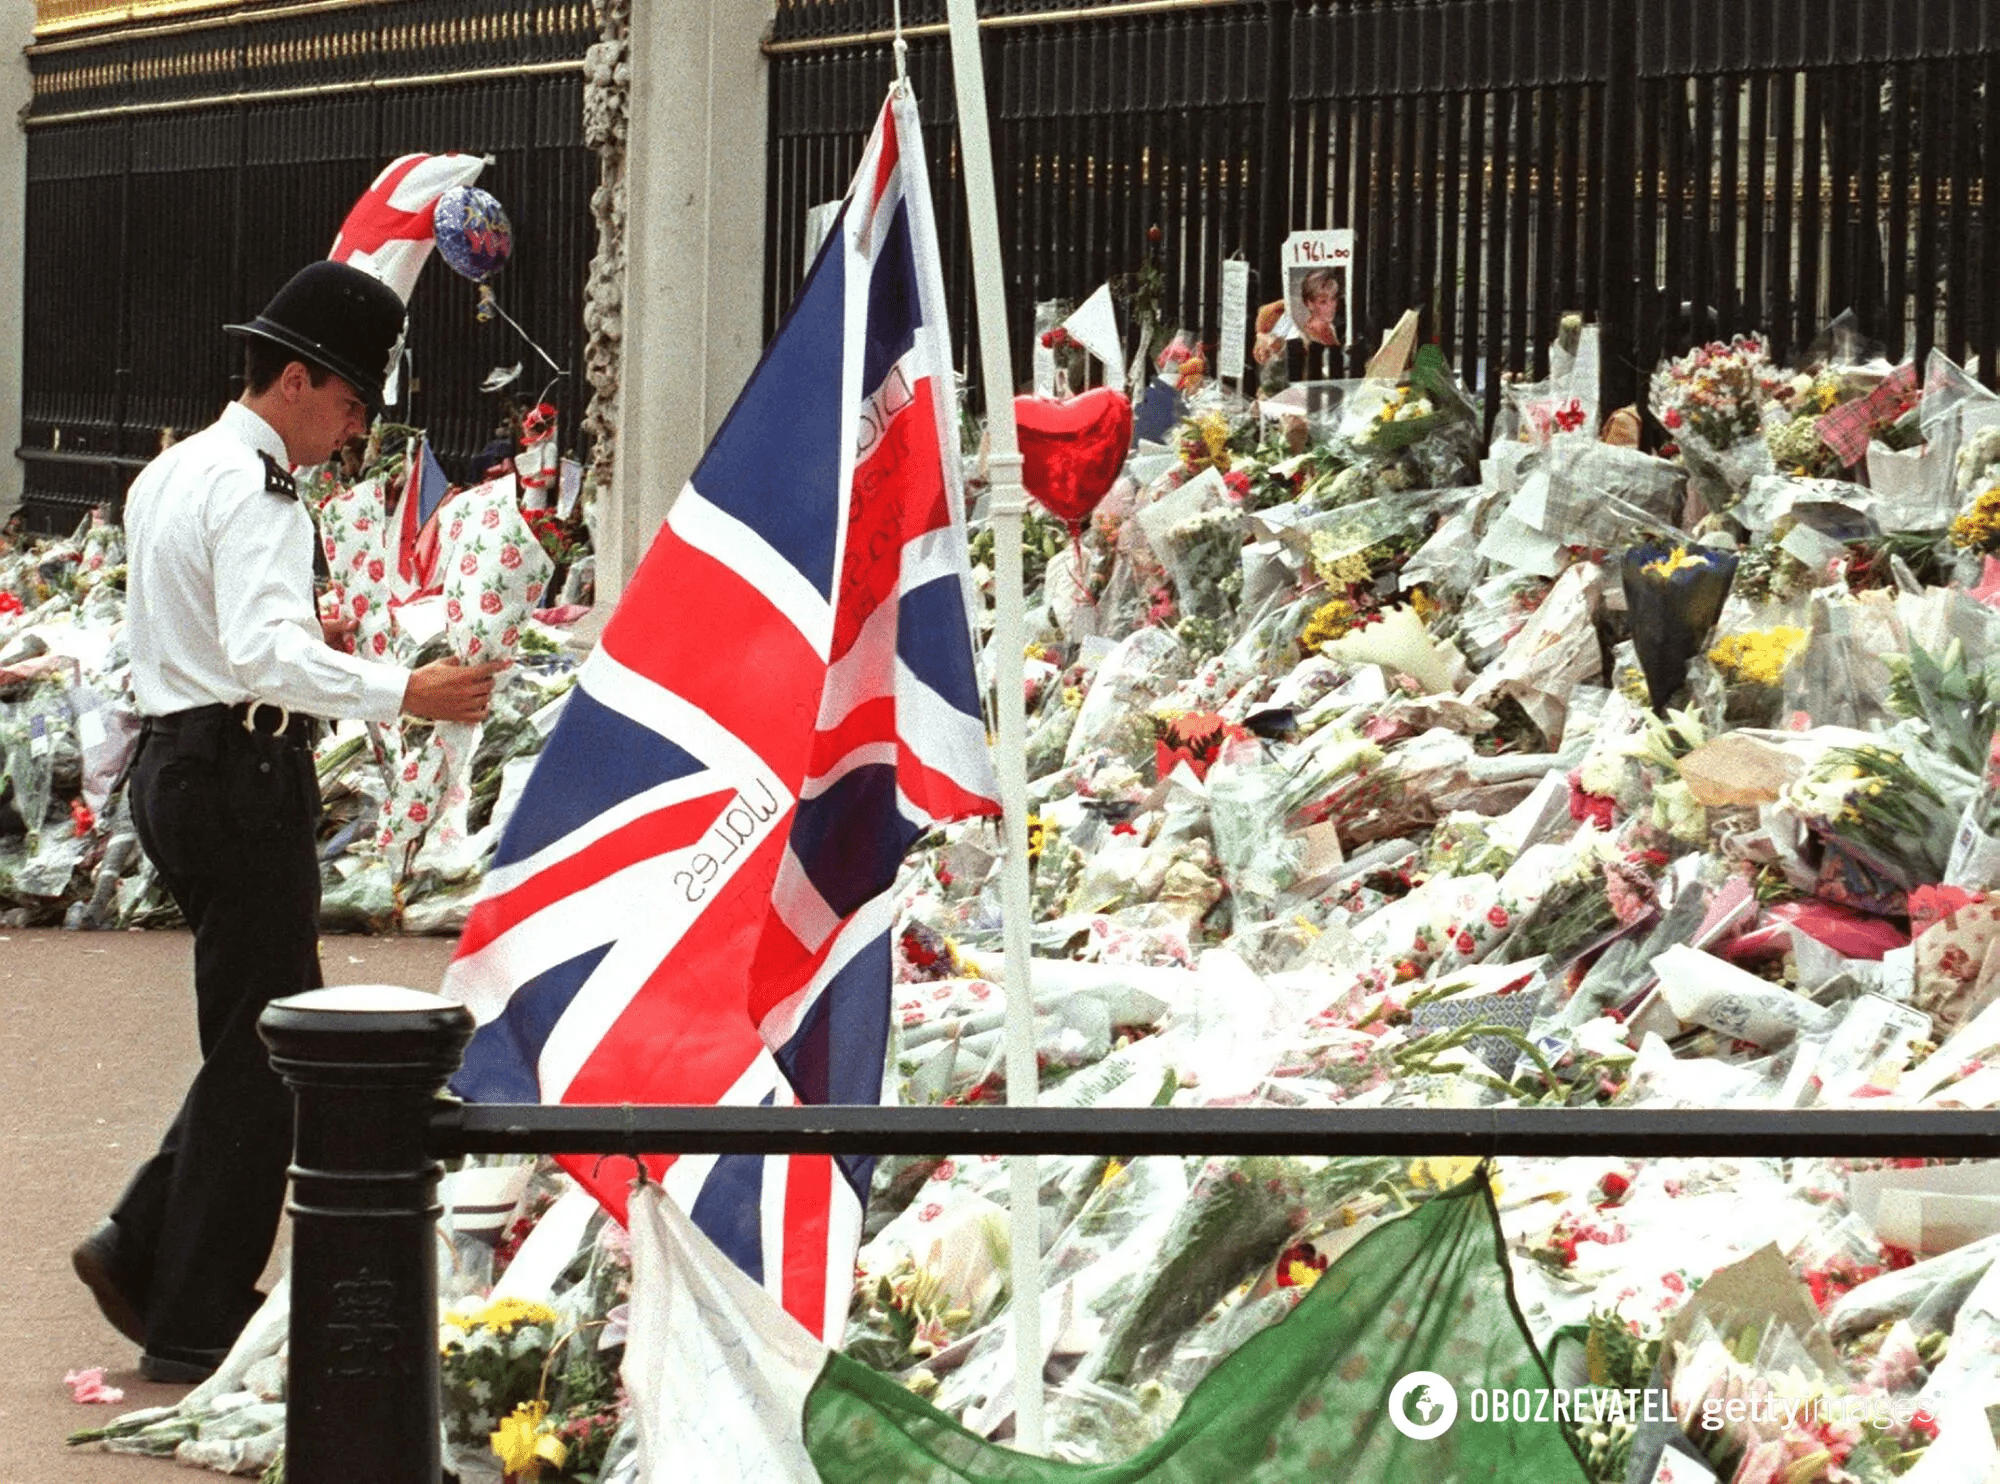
534,591
1671,417
88,1386
510,556
468,564
360,561
380,644
457,529
931,1212
362,523
410,770
489,602
360,604
376,570
419,812
944,1171
511,636
473,646
452,610
490,518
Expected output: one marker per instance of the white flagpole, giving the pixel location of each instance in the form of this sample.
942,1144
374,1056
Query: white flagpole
1006,504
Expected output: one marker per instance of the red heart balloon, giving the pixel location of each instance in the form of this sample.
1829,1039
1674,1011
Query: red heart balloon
1072,451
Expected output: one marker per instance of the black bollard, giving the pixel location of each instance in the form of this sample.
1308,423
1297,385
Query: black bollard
366,1063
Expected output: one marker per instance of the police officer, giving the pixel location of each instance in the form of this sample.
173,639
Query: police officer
230,668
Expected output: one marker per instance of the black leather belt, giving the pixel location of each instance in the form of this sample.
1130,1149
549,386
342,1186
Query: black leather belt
253,716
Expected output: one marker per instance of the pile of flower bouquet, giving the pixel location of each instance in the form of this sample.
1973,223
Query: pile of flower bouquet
412,810
1376,764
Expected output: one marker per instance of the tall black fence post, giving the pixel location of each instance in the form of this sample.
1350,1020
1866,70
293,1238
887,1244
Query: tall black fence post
366,1063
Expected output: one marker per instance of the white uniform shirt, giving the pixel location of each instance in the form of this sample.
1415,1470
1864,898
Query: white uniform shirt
219,591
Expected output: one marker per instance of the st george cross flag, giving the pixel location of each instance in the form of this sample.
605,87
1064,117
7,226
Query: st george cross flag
387,234
691,902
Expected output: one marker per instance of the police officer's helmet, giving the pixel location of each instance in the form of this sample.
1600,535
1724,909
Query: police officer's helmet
338,318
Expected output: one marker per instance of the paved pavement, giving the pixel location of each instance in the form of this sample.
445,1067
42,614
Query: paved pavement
97,1044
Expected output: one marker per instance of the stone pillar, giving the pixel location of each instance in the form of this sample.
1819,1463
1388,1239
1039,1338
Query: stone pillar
693,302
17,29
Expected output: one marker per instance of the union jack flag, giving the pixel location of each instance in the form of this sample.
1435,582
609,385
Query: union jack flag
691,903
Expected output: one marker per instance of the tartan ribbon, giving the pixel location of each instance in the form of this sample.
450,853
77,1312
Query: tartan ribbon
1847,429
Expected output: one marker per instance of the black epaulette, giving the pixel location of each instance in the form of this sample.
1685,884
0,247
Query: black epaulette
278,479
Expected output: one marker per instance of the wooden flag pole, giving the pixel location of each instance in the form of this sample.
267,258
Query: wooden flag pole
1006,504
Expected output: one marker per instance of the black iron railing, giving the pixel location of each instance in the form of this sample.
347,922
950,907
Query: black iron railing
363,1379
178,173
1675,169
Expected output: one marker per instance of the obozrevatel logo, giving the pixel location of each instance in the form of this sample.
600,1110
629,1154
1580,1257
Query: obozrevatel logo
1422,1405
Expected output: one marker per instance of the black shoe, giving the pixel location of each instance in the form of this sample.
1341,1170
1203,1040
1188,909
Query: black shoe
95,1259
189,1368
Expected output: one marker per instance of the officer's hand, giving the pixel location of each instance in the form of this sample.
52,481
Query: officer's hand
449,691
340,633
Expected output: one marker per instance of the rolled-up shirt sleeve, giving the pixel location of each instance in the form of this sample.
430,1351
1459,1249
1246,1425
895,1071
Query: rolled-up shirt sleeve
269,628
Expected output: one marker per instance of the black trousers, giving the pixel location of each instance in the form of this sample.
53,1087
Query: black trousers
228,817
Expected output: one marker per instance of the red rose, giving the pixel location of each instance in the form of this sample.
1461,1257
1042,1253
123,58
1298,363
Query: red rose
510,556
512,636
1465,943
332,548
468,564
360,560
410,770
489,602
1498,917
419,812
381,643
362,523
376,570
930,1212
473,646
360,604
491,518
534,591
457,529
944,1171
452,611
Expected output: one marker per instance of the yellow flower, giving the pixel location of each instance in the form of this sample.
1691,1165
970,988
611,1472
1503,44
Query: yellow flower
1759,656
503,1314
1682,560
1037,832
1329,621
1303,1275
1441,1172
1978,525
523,1447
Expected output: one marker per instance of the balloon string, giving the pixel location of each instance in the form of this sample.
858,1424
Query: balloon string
1076,567
493,300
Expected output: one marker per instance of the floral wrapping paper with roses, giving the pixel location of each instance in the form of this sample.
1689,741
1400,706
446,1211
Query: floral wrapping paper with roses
354,534
495,575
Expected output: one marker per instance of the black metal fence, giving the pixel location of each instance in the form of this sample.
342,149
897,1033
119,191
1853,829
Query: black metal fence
362,1391
1674,169
179,173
